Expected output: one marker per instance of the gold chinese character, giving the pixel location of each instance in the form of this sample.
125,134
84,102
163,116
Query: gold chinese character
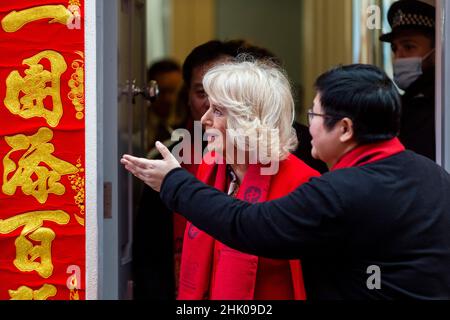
38,172
25,293
15,20
31,257
25,96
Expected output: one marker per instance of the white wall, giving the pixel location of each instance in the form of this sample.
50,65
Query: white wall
272,24
157,15
91,152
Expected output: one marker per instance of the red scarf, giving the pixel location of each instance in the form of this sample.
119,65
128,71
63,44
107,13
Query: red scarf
369,153
179,226
235,276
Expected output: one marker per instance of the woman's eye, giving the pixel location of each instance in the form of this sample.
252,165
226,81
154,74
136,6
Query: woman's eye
201,93
217,112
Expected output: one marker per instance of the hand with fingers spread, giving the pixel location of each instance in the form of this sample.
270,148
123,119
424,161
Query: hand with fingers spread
152,172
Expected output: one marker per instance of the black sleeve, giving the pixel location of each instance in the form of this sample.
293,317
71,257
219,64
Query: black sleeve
307,222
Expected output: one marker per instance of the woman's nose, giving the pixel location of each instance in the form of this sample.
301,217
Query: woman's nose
206,119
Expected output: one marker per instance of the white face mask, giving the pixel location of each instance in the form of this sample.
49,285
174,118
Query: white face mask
408,70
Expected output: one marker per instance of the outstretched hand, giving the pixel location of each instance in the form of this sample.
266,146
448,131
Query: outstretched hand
152,172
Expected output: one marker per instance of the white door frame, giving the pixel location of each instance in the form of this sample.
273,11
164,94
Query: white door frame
93,157
107,93
442,82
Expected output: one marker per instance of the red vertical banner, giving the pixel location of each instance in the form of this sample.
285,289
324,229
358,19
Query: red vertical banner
42,150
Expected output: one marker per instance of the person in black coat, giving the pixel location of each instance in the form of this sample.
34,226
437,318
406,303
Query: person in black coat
413,45
375,227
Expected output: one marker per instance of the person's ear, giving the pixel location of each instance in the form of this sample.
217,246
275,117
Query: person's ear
346,128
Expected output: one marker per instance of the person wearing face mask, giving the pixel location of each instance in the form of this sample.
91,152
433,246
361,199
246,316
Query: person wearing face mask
413,45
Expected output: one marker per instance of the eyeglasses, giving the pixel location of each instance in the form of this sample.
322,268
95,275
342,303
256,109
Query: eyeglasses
311,115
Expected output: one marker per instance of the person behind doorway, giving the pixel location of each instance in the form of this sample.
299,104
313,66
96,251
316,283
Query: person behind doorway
158,236
167,73
413,45
156,267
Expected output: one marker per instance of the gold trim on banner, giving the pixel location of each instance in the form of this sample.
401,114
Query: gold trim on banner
78,185
76,84
75,3
74,295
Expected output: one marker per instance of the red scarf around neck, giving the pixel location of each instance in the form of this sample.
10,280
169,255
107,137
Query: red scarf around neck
369,153
197,267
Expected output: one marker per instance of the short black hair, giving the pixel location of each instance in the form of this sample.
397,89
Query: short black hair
205,53
162,66
215,49
365,94
243,47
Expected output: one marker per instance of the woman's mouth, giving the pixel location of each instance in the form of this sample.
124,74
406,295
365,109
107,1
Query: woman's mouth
211,137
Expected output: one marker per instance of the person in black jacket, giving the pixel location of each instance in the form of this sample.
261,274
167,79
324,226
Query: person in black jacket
413,45
375,227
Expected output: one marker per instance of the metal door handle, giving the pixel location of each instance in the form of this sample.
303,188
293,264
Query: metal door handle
150,92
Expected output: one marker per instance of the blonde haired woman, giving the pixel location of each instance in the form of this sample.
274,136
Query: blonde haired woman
250,100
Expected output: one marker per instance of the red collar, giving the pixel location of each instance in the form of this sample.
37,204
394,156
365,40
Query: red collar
369,153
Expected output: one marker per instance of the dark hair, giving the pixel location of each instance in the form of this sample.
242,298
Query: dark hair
207,52
365,94
215,49
162,66
242,47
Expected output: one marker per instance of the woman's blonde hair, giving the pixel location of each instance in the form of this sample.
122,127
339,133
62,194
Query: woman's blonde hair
257,97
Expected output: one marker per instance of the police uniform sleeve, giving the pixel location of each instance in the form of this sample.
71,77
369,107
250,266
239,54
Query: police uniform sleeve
307,222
